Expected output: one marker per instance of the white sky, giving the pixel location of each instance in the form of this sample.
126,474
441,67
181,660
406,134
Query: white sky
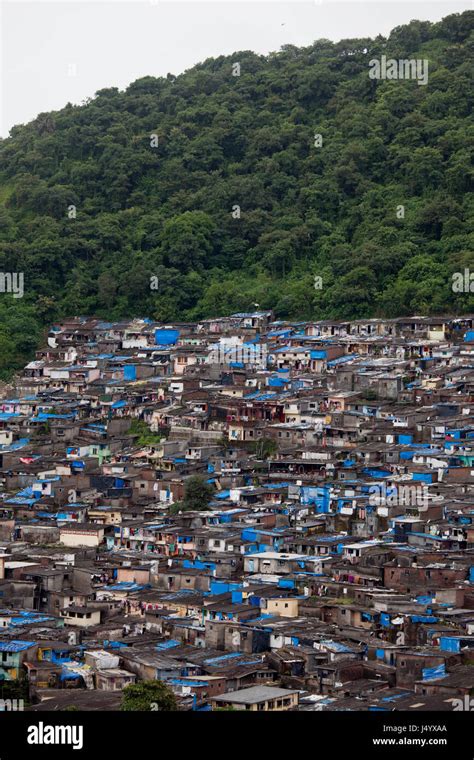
55,52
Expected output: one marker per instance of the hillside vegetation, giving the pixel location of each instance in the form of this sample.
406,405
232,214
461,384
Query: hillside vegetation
216,186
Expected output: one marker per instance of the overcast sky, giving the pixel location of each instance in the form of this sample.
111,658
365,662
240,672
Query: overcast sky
58,52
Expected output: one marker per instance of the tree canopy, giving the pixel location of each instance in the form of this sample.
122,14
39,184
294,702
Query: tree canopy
146,696
225,190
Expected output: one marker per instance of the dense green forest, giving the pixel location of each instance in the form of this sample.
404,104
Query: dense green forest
209,192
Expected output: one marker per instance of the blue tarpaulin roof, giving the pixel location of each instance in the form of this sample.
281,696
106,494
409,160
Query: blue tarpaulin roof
342,359
30,621
15,646
430,674
170,644
128,586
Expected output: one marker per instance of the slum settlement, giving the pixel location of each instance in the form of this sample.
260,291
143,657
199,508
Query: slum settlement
263,515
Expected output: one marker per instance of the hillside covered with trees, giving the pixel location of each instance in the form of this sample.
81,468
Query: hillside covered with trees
216,184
